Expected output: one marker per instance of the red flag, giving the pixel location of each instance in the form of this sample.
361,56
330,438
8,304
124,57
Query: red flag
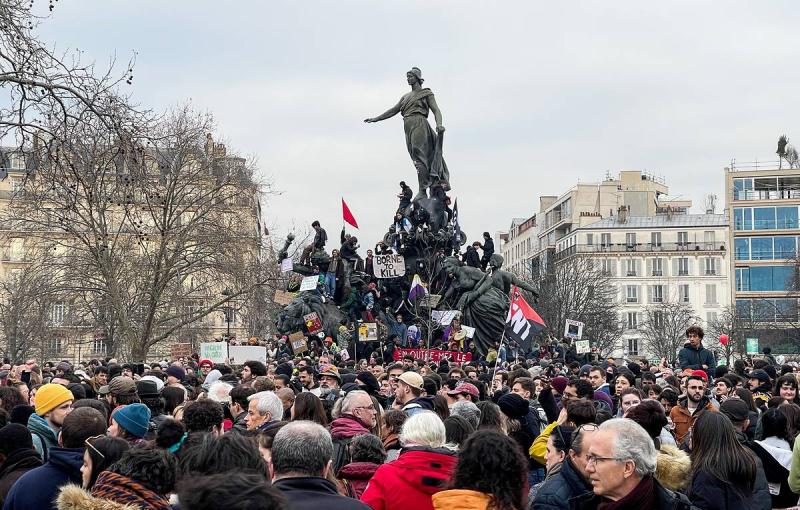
522,322
347,215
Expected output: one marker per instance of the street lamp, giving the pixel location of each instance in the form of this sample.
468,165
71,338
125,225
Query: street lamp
227,310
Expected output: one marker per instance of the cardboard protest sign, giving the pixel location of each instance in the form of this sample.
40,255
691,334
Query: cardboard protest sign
582,346
309,283
368,332
298,342
282,297
181,350
389,266
238,354
573,329
217,352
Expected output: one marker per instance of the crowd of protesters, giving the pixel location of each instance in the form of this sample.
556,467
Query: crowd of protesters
303,433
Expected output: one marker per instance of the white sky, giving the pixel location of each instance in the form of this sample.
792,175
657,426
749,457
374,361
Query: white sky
535,95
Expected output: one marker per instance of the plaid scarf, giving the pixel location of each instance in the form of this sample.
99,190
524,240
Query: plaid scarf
124,490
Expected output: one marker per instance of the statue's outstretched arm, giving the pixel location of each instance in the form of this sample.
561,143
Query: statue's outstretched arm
391,112
523,285
437,113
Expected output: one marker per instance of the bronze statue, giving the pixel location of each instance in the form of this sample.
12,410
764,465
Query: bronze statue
482,304
503,280
424,146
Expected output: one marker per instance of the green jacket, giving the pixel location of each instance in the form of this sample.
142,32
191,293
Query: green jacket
794,472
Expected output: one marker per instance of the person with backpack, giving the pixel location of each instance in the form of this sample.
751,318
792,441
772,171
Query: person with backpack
53,404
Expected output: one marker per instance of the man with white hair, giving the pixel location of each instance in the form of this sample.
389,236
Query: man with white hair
620,463
423,468
264,411
358,416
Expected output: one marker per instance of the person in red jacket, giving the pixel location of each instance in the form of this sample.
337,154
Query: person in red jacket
422,470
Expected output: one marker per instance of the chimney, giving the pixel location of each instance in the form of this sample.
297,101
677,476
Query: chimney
622,214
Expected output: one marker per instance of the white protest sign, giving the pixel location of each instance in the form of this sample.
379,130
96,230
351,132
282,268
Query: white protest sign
309,283
217,352
286,265
582,346
238,354
573,329
389,266
443,317
469,330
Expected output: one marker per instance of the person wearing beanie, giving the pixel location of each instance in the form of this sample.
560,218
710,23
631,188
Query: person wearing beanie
20,414
53,404
17,456
175,375
367,382
130,422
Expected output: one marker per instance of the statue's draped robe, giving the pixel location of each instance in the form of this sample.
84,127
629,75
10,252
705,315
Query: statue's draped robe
424,147
487,314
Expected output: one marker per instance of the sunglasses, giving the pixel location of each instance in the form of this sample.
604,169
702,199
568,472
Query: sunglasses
90,445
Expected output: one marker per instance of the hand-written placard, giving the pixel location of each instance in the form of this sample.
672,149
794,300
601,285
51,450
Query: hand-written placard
298,343
309,283
282,297
389,266
217,352
182,350
313,324
582,346
286,265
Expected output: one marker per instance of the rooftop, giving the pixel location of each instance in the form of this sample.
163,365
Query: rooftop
661,221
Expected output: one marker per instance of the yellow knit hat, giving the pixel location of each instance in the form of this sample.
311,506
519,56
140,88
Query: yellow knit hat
51,396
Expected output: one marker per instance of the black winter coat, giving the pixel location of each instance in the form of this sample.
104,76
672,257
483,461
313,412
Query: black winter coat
314,493
710,493
667,500
689,357
16,465
562,490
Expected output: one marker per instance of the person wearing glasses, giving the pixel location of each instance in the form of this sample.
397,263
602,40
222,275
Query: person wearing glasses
621,463
358,416
101,452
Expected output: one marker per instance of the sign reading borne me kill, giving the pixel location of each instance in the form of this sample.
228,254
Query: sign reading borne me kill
389,266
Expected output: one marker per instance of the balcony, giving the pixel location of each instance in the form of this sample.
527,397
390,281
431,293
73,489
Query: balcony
717,246
786,194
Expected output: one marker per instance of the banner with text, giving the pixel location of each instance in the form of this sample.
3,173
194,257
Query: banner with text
238,354
433,355
217,352
389,266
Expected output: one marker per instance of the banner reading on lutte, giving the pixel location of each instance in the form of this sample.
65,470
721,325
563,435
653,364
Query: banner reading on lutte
433,355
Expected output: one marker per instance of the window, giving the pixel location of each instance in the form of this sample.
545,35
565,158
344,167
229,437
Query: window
630,267
17,185
630,239
761,248
590,239
632,321
655,239
683,239
743,279
55,344
99,347
683,266
605,240
657,267
656,293
710,266
786,217
657,317
767,278
742,218
631,293
742,189
711,294
633,347
57,314
683,293
708,239
741,248
785,247
608,267
763,218
711,318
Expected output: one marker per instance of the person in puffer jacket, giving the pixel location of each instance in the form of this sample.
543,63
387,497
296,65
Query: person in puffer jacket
422,470
367,454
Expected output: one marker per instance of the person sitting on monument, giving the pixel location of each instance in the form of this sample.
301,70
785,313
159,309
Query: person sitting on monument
419,216
471,257
402,224
320,238
405,196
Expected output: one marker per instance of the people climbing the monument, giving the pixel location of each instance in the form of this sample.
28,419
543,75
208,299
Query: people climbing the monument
320,239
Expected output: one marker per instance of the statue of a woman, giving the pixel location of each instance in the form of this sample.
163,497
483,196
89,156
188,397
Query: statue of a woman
424,146
483,305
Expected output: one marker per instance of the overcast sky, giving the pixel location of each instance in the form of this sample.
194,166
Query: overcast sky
536,96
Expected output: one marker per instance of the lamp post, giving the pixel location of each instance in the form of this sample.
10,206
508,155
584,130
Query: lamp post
227,310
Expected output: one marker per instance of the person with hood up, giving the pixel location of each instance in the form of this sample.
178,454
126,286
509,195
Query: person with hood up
490,474
673,467
17,456
38,488
358,416
367,455
421,470
53,403
693,355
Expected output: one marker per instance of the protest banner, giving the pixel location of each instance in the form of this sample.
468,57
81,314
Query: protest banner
582,346
389,266
313,323
433,355
573,329
282,297
309,283
469,330
298,342
368,332
181,350
238,354
217,352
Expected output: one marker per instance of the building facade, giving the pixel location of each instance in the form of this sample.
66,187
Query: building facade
763,203
658,259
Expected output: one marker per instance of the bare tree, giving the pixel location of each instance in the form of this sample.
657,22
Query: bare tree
737,327
664,328
575,288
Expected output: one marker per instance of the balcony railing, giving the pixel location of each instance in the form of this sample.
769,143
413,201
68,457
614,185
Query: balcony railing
642,248
786,194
